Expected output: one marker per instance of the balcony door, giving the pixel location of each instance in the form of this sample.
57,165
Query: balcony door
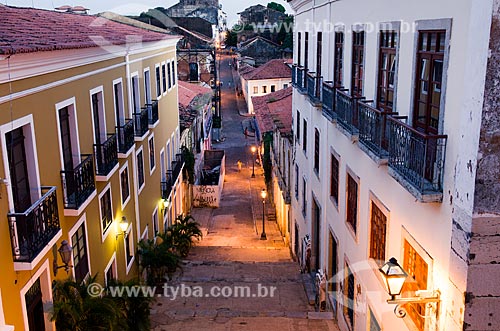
98,115
119,108
67,150
34,307
18,169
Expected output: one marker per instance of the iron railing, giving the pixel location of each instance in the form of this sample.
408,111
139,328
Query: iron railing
78,183
294,75
153,116
314,83
166,185
416,156
33,229
346,110
125,135
328,100
301,79
171,176
106,155
372,128
141,122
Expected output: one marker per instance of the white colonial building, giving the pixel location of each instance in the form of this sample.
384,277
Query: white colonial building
394,121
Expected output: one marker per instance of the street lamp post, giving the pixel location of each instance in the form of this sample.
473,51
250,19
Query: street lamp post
263,194
253,149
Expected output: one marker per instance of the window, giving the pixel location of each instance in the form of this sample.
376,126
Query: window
118,103
193,72
106,210
135,94
378,224
297,182
169,65
417,269
374,325
255,89
140,168
358,54
338,64
156,227
151,145
129,247
304,137
174,78
124,185
147,87
299,47
349,289
164,77
334,179
98,118
264,89
430,57
80,254
316,150
352,202
319,50
158,82
304,196
387,70
298,127
110,270
284,86
273,88
306,51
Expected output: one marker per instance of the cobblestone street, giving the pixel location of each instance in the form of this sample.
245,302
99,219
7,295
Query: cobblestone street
231,254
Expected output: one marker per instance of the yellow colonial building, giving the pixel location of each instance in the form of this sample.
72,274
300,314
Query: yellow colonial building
89,152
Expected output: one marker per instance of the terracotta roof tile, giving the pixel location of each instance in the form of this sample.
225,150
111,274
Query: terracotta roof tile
276,68
274,110
187,93
26,30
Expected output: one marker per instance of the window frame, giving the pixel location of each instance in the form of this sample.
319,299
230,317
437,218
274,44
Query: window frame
140,186
348,272
151,154
158,81
388,47
338,59
317,151
123,169
352,225
334,157
297,133
128,239
164,78
304,136
110,266
82,222
105,231
373,234
304,196
358,62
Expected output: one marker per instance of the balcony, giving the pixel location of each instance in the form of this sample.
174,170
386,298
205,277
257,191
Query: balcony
372,130
294,75
171,176
78,184
346,111
32,230
125,135
314,83
141,122
328,100
152,112
106,155
416,160
301,79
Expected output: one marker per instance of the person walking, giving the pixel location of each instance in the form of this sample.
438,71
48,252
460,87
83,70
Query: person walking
239,165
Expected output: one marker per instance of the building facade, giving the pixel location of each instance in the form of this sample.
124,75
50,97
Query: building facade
393,125
89,128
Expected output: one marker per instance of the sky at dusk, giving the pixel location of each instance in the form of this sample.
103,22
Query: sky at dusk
231,7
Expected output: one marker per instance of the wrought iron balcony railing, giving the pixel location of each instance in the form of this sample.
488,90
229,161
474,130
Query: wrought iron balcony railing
166,185
141,122
294,75
301,79
314,83
78,183
153,116
32,229
346,110
372,127
125,135
416,156
106,155
328,100
171,176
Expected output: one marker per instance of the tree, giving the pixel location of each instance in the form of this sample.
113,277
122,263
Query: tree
276,6
183,234
231,37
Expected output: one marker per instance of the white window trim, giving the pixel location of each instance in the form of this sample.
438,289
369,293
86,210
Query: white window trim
158,94
34,182
3,327
129,232
133,75
166,78
105,234
72,231
125,166
147,83
151,170
169,75
145,234
111,264
174,70
357,179
122,100
99,89
155,211
140,150
74,130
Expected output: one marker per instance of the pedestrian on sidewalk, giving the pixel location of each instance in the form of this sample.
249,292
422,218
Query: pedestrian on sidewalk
246,132
239,165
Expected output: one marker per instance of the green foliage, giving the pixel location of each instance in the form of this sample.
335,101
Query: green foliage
276,6
189,162
231,37
159,258
184,232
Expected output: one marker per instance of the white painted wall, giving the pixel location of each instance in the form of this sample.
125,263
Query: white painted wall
429,224
248,88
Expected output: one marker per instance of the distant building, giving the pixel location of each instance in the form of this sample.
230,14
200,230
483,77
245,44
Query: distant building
260,14
268,78
262,50
205,9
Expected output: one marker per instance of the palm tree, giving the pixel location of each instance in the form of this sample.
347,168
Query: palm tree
159,258
183,234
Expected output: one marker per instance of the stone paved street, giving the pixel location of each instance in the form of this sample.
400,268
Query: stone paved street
232,255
